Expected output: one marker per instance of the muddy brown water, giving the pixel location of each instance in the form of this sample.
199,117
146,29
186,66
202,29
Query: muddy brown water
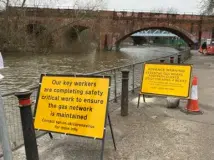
23,70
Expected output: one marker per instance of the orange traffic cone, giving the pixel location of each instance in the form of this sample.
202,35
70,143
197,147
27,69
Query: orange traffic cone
192,105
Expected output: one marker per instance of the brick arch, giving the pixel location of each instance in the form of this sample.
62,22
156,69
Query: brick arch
35,28
73,31
37,35
67,35
185,35
77,26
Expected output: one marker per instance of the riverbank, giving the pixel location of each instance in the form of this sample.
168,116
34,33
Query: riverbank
150,132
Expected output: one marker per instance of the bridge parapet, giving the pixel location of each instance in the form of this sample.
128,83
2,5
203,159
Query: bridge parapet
123,15
51,12
149,15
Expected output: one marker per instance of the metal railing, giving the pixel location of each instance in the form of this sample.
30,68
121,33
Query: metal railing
12,111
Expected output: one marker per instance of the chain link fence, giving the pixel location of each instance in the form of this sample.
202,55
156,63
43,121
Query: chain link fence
12,110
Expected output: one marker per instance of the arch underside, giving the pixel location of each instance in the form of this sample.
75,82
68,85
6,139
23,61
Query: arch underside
38,29
67,34
187,37
73,32
35,28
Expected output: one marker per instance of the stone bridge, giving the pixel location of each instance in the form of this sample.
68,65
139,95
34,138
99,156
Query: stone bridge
110,28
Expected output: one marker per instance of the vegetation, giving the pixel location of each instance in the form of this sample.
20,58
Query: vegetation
207,7
16,33
169,10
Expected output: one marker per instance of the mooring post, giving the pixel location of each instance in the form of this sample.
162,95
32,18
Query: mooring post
31,149
125,92
171,59
162,60
179,59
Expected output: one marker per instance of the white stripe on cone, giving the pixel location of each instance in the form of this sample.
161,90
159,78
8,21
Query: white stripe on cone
194,94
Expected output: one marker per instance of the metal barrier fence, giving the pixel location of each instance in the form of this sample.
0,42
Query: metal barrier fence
12,111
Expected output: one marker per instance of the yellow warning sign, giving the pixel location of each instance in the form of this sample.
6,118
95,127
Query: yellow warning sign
166,79
72,105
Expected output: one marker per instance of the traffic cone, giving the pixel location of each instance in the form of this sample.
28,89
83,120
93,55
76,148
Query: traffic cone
192,105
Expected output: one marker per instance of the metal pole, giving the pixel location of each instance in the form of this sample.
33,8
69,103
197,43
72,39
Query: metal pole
115,86
179,59
133,78
125,92
4,136
171,59
112,133
31,149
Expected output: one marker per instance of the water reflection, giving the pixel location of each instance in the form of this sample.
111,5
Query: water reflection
24,69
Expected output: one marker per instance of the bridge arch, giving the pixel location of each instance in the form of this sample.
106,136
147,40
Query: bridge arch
75,37
185,35
35,29
37,35
72,32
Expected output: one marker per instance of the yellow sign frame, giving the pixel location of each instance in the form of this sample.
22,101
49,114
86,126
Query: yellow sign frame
159,94
75,76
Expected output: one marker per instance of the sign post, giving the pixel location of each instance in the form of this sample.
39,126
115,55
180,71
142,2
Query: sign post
166,80
74,105
4,138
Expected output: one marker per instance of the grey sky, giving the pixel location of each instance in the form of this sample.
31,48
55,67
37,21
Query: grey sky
187,6
147,5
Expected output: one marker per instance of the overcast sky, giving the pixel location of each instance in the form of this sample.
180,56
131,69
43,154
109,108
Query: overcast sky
180,5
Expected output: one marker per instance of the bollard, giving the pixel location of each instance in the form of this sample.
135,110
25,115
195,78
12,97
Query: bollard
125,92
171,59
31,149
162,60
179,59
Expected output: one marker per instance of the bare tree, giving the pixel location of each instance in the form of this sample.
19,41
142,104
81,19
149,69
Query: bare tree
6,31
172,10
206,7
163,10
157,10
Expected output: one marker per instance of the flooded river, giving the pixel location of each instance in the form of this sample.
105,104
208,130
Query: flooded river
24,69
